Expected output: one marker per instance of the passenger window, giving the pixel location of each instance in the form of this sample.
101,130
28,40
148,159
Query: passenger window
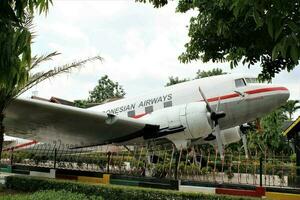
167,104
149,109
240,82
131,113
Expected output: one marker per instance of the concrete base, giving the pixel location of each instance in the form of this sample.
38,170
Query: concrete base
282,196
44,174
206,190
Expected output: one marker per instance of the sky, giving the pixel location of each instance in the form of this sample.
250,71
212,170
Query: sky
139,45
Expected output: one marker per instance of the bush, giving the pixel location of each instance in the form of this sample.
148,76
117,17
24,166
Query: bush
32,184
50,195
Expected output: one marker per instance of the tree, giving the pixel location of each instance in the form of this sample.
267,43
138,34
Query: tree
175,80
15,36
16,63
291,107
106,91
265,32
15,51
199,74
12,89
213,72
270,138
81,103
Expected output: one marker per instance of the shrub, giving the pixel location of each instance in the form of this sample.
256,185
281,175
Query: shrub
31,184
50,195
293,158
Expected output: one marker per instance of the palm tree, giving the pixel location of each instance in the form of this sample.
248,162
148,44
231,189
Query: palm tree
16,64
18,73
20,80
290,108
15,48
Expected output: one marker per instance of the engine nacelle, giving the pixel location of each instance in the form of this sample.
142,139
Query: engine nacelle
197,120
231,135
192,118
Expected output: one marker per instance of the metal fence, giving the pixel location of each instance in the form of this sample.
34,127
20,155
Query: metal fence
193,164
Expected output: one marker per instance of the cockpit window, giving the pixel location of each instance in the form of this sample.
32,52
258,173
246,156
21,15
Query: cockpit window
240,82
252,80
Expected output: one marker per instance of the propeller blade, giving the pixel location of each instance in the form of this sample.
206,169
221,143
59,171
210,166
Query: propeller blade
204,98
217,133
215,116
218,105
244,140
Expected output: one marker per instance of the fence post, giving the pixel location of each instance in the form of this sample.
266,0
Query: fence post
260,171
55,155
12,156
108,161
176,163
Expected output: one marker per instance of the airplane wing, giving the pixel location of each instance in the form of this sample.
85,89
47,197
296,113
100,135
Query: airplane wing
50,122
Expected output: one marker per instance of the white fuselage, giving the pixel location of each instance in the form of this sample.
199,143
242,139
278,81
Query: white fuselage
177,113
242,101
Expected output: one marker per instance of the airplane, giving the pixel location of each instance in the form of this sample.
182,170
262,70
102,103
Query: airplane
208,110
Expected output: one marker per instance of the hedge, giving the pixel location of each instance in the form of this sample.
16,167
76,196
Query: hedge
50,195
32,184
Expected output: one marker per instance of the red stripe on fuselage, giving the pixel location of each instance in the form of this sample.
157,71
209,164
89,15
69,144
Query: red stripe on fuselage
256,91
229,96
21,145
139,116
261,90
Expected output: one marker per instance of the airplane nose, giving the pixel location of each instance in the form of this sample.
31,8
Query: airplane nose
284,95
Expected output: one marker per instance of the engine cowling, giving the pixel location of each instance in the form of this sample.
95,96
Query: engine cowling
197,120
192,117
231,135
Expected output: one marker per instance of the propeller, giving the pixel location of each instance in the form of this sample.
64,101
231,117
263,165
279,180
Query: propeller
215,115
243,129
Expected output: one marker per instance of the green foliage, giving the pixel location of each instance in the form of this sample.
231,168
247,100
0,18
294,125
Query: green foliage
16,62
290,108
16,11
213,72
81,103
15,42
15,52
175,80
265,32
199,74
270,138
293,157
31,184
50,195
156,3
106,91
272,129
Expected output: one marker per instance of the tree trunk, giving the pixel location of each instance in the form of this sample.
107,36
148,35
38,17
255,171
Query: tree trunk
1,133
